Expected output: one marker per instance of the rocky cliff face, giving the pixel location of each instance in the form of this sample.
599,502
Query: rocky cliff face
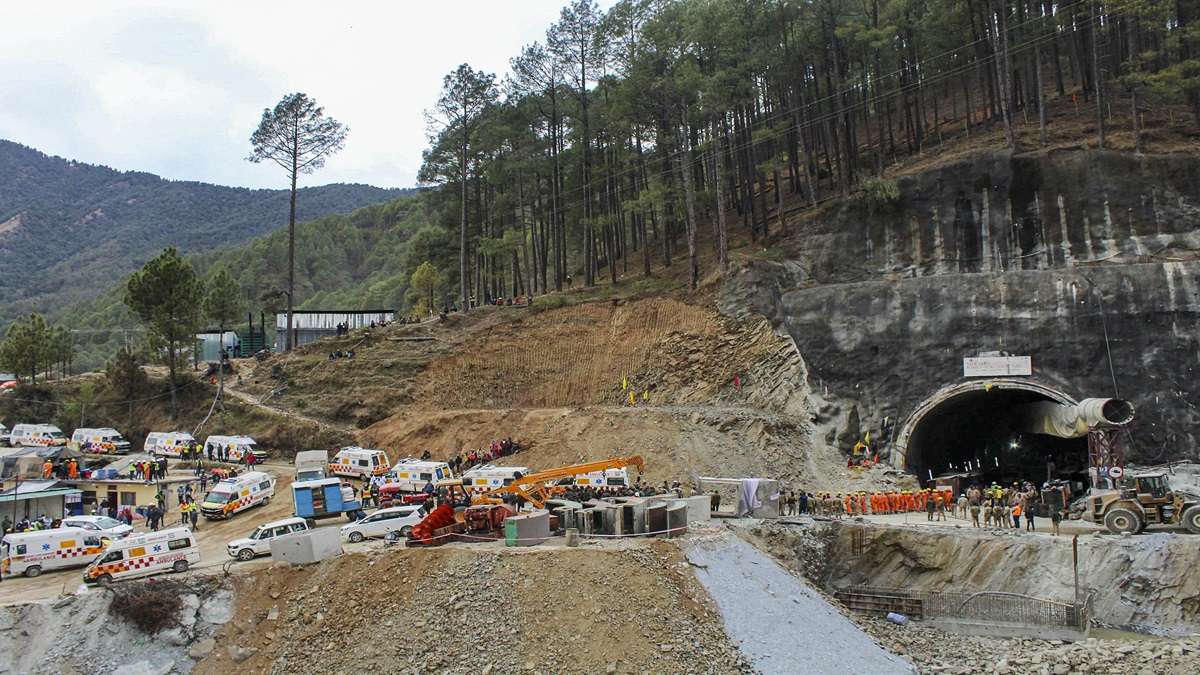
1071,258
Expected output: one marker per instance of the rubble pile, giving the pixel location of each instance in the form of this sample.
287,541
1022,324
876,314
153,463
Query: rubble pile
935,651
617,609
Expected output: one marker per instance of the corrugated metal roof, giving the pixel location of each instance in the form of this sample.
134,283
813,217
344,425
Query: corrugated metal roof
55,492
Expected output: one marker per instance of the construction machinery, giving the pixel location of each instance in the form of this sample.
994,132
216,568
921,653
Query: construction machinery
1135,502
536,487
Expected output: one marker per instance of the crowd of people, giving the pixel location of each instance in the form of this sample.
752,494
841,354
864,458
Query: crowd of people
148,470
68,469
26,525
991,506
469,459
586,493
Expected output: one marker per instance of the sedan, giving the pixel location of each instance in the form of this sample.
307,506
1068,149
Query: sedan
109,527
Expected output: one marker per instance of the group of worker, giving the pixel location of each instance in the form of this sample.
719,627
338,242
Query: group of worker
68,469
929,500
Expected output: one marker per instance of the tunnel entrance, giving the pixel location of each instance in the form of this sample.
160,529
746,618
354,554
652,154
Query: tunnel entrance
977,428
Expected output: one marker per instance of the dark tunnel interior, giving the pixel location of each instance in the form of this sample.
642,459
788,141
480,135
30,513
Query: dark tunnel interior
981,431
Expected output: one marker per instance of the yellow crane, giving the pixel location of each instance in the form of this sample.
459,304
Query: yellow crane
534,489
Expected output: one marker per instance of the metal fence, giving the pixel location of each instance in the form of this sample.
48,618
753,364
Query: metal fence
980,606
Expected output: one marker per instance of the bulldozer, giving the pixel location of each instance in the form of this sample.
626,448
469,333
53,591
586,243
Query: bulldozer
1130,504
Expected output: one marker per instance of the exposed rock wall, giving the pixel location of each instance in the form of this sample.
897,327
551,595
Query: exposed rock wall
1066,257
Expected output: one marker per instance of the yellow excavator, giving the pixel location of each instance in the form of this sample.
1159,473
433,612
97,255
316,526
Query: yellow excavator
537,487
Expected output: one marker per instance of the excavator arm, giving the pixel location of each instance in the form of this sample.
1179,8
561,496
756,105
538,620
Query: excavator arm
533,489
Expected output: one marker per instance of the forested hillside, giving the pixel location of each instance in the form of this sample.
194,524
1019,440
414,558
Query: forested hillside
609,144
359,260
69,230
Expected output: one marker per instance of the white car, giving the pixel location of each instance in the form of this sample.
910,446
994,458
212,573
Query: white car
259,541
378,523
108,527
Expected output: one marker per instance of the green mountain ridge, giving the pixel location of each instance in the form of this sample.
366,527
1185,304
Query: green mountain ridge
70,230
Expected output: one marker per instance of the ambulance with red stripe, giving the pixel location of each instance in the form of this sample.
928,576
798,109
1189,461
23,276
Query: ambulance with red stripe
36,434
234,495
356,462
173,550
31,553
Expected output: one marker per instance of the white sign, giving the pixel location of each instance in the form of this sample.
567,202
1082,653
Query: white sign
993,366
1116,472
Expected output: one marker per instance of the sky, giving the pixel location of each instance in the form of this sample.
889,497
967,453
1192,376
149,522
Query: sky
176,88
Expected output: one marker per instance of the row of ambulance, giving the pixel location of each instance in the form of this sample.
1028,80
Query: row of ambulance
106,440
411,475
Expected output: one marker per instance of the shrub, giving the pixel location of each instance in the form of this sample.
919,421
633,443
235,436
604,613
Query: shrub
151,606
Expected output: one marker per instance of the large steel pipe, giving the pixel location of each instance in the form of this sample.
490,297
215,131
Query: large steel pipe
1074,421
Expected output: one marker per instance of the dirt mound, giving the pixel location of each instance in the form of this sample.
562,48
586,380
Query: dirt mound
676,441
577,356
470,610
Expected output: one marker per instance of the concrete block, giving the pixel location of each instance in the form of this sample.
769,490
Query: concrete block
302,548
699,508
677,519
527,529
656,518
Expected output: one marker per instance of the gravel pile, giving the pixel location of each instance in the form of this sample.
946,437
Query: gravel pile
935,651
628,609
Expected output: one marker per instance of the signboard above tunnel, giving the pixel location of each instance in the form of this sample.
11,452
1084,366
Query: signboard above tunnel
997,366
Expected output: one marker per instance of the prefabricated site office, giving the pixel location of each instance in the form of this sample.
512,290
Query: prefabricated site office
312,325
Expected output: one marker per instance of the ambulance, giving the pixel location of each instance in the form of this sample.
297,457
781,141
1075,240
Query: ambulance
489,476
356,462
234,495
173,550
234,446
31,553
36,434
104,441
606,478
167,443
412,474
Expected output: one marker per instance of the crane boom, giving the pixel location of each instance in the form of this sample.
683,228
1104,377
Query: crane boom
533,488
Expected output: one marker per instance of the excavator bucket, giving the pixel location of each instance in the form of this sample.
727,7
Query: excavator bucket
423,532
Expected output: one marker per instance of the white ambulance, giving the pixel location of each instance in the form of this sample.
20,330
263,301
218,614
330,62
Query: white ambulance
356,462
412,474
489,476
36,434
234,495
105,441
606,478
232,448
173,550
167,443
31,553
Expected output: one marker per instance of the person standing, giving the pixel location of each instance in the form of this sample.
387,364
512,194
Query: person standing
194,515
184,509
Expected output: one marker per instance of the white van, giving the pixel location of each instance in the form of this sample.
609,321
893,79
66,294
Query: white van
104,441
173,550
412,474
489,476
232,448
168,443
356,462
234,495
608,477
259,541
36,434
31,553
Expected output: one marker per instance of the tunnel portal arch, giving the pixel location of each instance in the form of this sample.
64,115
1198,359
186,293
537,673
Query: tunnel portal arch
962,409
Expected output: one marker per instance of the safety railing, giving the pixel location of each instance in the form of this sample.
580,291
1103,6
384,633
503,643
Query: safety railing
977,606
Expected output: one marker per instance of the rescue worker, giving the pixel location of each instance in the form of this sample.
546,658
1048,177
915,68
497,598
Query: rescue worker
72,469
960,509
975,514
941,506
47,469
929,506
185,508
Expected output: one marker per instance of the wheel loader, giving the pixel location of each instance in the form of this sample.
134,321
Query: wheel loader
1132,503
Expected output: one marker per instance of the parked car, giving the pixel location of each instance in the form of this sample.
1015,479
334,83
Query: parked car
259,541
108,527
378,523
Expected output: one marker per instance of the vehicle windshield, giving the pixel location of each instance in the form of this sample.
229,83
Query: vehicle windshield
106,523
55,434
215,497
258,532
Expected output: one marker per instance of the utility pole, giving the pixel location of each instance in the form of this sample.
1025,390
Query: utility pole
1097,82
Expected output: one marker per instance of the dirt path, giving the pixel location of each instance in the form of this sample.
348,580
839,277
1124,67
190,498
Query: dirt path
232,389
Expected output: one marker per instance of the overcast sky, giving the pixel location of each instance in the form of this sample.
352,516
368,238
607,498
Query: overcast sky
175,88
